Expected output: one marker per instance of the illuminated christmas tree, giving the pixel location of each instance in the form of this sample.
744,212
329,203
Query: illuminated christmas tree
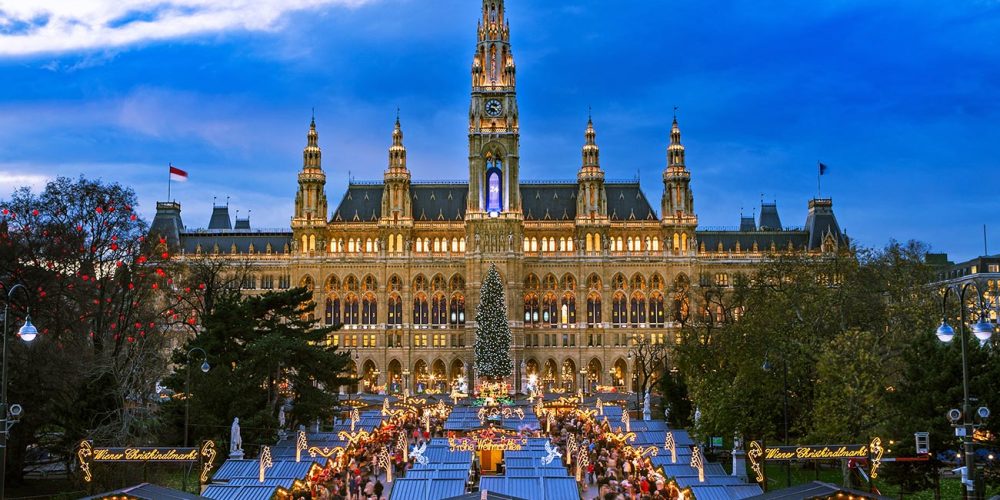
492,330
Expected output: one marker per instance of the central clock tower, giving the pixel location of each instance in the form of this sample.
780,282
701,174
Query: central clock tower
493,121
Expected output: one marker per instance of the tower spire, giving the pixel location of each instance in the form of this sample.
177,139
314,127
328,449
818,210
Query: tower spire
312,155
397,152
675,152
591,153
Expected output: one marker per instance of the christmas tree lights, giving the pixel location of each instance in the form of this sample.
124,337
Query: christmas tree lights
493,337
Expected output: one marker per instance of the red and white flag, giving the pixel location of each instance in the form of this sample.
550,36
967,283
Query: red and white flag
177,174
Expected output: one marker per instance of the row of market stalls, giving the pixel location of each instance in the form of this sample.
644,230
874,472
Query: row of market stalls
506,454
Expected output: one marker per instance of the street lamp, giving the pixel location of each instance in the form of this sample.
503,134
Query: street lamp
983,330
205,367
27,332
784,393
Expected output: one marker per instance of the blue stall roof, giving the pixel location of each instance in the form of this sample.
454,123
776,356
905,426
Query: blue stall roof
282,469
438,473
532,488
226,492
428,489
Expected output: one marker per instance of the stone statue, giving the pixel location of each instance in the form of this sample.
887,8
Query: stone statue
645,407
510,242
235,440
737,441
281,417
697,416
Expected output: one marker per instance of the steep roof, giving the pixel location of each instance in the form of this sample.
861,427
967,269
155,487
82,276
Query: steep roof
362,202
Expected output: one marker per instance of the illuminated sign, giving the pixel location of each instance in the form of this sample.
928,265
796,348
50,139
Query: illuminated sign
87,454
821,452
144,455
484,444
759,453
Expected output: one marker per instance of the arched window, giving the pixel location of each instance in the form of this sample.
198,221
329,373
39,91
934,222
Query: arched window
454,244
552,244
630,245
569,244
369,245
437,244
656,317
392,244
619,310
399,243
332,313
395,312
638,309
534,244
549,282
456,315
439,310
568,310
369,310
677,242
545,245
550,311
593,309
590,242
350,246
597,242
420,310
461,245
351,316
684,241
494,184
531,310
562,244
656,244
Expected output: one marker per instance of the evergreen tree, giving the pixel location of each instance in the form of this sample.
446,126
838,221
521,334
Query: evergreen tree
492,330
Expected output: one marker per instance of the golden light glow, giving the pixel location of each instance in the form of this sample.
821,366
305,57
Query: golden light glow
207,454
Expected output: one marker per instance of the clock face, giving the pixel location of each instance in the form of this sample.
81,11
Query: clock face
494,108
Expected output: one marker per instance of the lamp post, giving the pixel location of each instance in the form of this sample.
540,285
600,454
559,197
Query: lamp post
406,382
27,332
205,367
585,388
784,381
983,330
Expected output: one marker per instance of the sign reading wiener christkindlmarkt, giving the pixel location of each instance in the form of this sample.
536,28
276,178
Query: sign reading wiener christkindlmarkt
145,454
88,454
816,452
758,453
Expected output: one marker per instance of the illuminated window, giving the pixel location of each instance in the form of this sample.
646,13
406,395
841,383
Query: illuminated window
332,315
395,311
494,184
593,310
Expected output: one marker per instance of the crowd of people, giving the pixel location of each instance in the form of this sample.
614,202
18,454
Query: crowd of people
357,475
616,472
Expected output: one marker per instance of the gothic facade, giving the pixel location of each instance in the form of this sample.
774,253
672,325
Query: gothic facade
588,264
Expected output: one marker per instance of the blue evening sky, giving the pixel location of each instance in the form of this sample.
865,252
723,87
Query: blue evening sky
899,98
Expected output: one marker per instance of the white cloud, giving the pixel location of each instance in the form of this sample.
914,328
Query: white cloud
29,27
11,180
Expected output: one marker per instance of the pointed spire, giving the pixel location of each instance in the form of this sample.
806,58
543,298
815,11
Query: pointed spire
591,153
397,152
675,152
312,155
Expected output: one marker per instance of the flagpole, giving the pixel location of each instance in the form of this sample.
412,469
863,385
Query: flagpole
819,179
169,180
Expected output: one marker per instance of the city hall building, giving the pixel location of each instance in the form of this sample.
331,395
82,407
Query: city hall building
588,264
